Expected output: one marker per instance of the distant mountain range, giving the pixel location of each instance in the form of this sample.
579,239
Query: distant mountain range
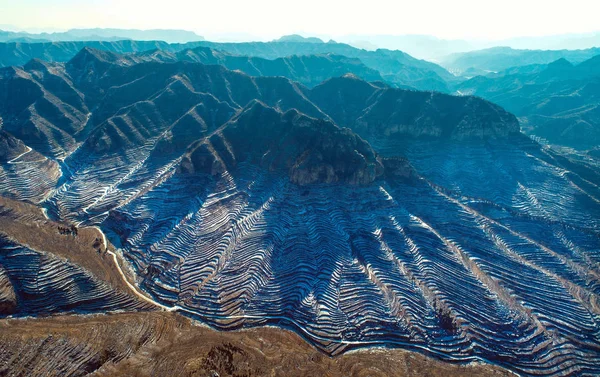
98,73
395,67
298,38
165,35
559,101
436,49
18,54
501,58
421,46
310,70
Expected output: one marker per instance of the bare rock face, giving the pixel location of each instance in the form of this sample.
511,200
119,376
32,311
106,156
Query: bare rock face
310,150
383,113
10,147
8,299
398,167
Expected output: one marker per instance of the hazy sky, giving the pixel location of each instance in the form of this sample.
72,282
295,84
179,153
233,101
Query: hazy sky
449,19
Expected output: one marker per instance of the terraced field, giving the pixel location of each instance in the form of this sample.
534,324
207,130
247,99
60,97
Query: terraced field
43,272
504,271
486,252
486,249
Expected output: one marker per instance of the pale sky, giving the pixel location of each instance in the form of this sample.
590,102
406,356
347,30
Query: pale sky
448,19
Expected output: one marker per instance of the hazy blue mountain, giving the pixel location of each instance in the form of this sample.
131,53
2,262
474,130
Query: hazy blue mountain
362,44
26,40
298,38
555,42
420,46
559,101
520,69
395,67
437,49
501,58
310,70
14,54
166,35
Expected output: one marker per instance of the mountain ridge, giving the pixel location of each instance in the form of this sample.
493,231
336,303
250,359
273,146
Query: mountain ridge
104,34
502,58
558,101
394,66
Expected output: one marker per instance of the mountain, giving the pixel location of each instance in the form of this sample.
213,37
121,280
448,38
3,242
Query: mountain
18,54
395,67
502,58
309,150
52,122
384,114
572,41
298,38
310,70
20,165
421,46
165,35
353,213
558,101
437,49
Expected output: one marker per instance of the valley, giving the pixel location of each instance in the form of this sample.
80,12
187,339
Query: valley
293,208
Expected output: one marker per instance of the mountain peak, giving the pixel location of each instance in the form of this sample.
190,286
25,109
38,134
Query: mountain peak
557,69
560,63
90,64
350,76
310,150
348,79
88,54
37,65
590,67
296,38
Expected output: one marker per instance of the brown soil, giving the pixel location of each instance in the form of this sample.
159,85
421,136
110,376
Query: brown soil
26,224
168,344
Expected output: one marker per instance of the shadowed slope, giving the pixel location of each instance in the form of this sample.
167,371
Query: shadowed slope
310,150
41,106
387,113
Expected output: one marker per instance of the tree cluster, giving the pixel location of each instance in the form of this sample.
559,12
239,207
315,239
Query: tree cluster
68,230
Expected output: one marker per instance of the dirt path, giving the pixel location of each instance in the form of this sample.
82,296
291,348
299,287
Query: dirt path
131,286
